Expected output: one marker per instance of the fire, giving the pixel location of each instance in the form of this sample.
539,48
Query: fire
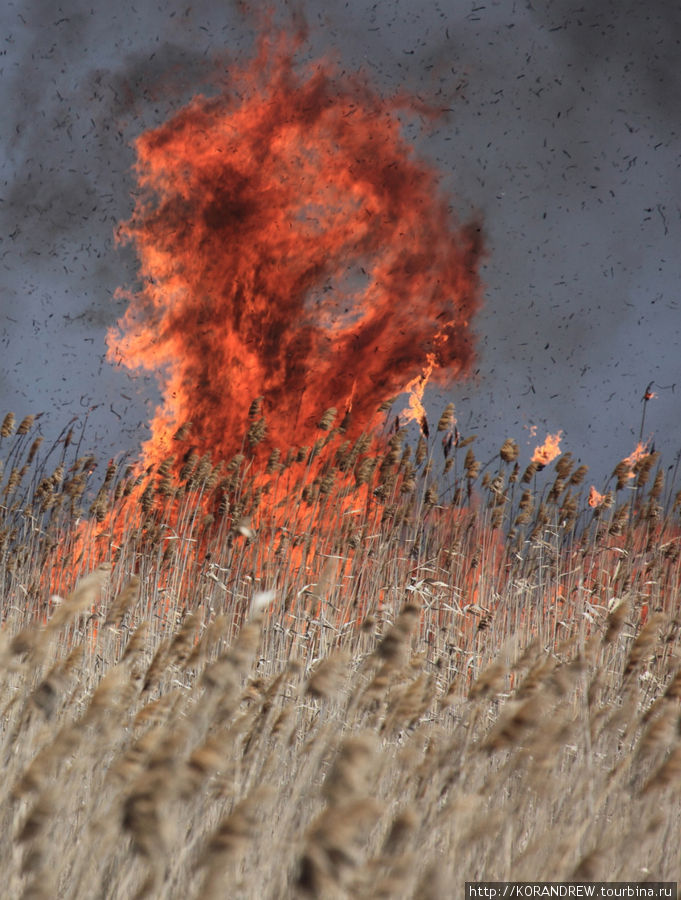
416,412
649,393
634,457
626,469
549,450
595,499
292,246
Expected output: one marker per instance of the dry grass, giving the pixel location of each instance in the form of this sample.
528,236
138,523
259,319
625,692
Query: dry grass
348,670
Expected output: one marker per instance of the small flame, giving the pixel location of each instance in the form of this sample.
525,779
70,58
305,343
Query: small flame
549,450
351,398
416,412
634,457
649,393
595,498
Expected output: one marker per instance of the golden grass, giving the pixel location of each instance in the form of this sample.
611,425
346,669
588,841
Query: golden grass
346,671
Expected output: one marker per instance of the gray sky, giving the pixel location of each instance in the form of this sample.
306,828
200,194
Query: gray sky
564,134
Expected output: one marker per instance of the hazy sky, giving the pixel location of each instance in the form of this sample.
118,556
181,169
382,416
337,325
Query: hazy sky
563,134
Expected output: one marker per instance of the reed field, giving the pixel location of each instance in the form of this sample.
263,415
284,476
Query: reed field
371,667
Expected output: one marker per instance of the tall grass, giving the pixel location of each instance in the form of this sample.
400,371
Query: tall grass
355,669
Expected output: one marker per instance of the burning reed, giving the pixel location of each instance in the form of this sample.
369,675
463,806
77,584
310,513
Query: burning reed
341,671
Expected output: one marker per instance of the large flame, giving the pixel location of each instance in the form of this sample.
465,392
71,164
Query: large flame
293,247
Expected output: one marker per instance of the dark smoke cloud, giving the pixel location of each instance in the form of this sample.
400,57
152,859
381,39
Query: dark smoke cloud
562,130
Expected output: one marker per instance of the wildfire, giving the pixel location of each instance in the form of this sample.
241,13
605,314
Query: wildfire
293,247
549,450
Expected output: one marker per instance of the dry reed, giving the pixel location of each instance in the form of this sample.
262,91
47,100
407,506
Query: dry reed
338,673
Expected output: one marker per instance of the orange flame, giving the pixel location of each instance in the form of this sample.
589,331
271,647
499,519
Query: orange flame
416,412
634,457
595,499
549,450
292,246
629,462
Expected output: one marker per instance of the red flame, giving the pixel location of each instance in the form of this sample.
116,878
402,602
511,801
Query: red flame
292,246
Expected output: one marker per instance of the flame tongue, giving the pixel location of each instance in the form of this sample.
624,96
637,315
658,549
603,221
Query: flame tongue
291,246
416,412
